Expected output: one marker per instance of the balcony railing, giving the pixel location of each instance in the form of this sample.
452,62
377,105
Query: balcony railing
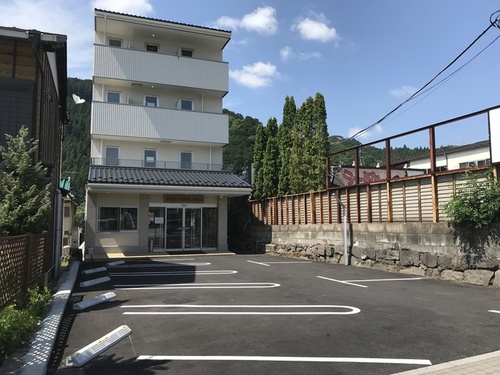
141,66
123,120
162,164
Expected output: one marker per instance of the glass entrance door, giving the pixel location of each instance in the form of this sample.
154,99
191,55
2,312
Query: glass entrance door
183,229
156,234
192,228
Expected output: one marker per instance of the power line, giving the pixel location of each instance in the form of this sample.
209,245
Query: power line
494,22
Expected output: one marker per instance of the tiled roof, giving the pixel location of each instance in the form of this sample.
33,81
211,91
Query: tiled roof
166,177
160,20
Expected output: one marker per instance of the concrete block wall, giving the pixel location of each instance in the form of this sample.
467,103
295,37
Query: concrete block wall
426,249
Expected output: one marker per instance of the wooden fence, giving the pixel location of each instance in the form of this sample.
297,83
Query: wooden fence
407,199
21,265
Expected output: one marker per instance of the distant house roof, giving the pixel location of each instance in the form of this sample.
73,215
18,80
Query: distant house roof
165,177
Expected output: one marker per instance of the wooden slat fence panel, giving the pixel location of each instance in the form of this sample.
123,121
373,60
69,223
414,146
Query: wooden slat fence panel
411,201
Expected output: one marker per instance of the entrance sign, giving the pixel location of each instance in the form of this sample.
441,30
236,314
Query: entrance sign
168,198
494,122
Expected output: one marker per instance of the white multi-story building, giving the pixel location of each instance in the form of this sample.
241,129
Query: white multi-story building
156,178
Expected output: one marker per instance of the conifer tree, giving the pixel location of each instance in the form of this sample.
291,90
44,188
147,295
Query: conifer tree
258,160
284,145
320,143
270,165
24,191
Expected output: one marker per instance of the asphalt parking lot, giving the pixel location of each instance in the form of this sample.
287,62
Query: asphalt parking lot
248,314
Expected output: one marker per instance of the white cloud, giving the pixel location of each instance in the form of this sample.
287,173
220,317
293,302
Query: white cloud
377,129
316,29
403,92
287,53
72,18
136,7
262,20
255,76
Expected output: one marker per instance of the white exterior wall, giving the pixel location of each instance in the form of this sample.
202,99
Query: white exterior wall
165,46
164,152
453,159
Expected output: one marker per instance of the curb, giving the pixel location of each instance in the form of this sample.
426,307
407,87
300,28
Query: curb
34,361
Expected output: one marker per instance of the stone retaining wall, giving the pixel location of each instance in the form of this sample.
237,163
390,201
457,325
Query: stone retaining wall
418,249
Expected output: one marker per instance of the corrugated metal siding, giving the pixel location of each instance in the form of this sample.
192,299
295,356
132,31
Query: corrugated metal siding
158,123
412,201
426,200
379,203
363,204
326,208
445,193
141,66
397,202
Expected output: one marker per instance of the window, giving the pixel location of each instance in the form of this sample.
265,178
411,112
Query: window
186,52
151,47
150,158
185,104
111,156
482,163
186,159
114,219
151,101
113,97
462,165
115,42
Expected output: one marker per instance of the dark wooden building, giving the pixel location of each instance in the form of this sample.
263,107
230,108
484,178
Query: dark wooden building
33,76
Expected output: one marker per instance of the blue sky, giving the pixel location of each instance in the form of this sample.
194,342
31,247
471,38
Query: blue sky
364,56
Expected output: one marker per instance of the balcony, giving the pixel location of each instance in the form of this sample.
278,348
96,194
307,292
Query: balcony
158,164
132,121
141,66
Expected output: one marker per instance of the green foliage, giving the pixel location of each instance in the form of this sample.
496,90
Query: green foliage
76,142
17,324
239,151
258,161
24,191
309,146
477,204
270,163
284,145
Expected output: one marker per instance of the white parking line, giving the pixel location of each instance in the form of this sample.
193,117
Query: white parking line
398,361
268,264
342,282
197,286
175,273
353,282
154,265
395,279
259,263
349,310
494,311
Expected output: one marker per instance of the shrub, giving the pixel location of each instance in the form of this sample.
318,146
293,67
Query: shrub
477,205
18,323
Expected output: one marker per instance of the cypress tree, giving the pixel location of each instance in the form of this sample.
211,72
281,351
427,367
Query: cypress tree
270,166
320,143
258,160
284,145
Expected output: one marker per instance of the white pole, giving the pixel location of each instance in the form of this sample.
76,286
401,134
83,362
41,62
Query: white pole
344,215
